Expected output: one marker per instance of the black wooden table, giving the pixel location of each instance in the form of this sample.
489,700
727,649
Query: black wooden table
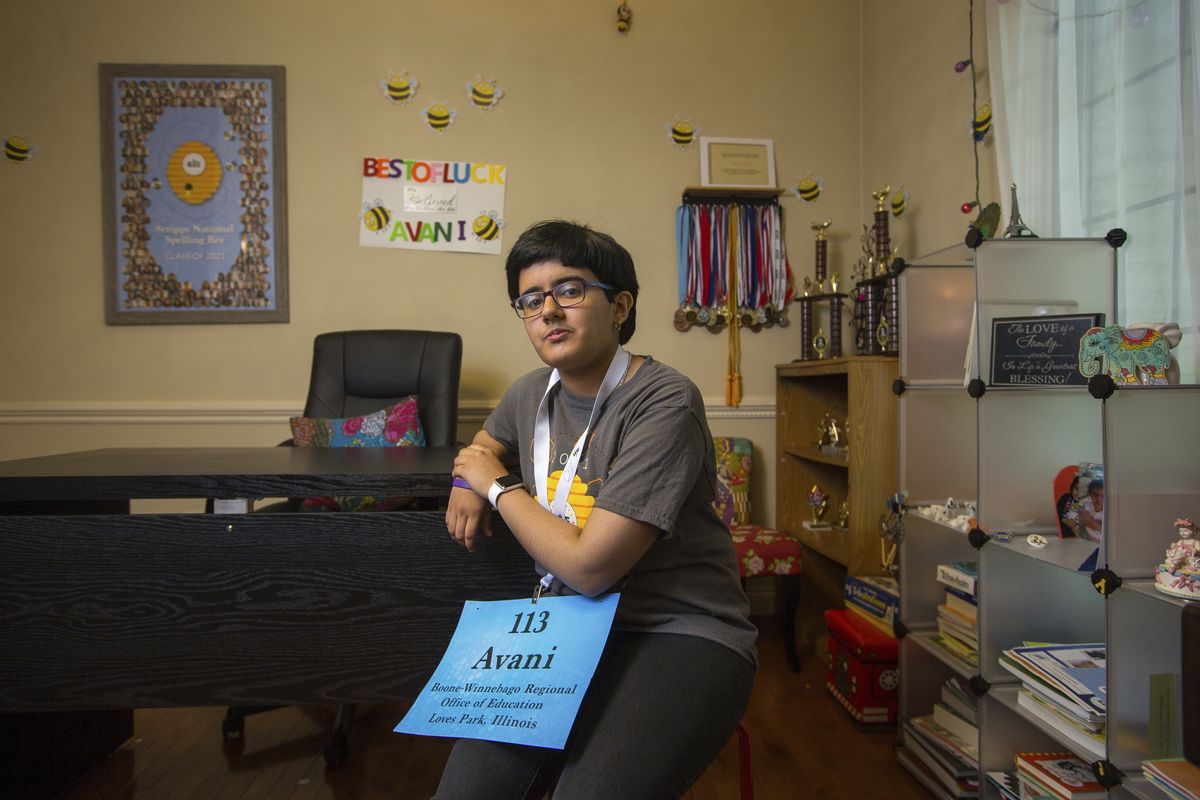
129,611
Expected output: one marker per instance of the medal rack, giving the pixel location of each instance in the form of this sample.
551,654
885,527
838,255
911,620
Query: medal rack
733,271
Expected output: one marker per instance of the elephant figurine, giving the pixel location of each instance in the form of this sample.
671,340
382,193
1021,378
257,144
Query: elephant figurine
1133,355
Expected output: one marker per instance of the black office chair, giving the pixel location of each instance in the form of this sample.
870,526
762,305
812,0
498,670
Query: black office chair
356,373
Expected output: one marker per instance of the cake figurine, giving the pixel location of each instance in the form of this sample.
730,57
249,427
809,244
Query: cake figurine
1179,574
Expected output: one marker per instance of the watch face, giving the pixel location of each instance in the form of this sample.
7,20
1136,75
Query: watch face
508,481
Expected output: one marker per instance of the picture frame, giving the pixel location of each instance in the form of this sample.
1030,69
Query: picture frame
194,193
735,163
1041,350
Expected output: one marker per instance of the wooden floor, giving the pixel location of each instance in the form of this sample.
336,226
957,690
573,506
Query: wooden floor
804,745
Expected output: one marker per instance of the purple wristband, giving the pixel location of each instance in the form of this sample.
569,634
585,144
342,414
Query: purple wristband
459,483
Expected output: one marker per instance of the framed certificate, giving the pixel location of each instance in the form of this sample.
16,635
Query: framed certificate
194,194
737,163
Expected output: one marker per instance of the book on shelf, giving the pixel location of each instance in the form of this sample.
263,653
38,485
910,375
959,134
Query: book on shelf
1177,777
951,623
962,604
950,762
875,599
938,782
964,749
1074,671
965,655
960,700
1007,783
1061,775
1088,737
962,728
961,575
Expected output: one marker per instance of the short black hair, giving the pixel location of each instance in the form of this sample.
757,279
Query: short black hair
575,245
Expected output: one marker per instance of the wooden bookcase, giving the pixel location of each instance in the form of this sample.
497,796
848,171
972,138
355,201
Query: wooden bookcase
857,390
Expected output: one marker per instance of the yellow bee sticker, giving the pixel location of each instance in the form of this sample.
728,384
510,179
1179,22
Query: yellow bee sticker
682,132
439,117
808,188
486,226
484,93
18,150
375,217
400,87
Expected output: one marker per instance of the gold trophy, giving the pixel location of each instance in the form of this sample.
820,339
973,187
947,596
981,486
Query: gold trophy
818,502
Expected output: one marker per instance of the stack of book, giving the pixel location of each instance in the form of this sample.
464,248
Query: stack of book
958,616
1058,776
1179,779
942,749
1063,685
875,599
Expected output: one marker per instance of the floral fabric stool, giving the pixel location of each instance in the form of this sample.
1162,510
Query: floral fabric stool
760,551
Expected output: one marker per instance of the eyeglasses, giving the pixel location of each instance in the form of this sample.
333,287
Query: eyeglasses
566,294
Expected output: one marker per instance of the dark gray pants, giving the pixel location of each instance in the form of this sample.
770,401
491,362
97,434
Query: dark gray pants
659,710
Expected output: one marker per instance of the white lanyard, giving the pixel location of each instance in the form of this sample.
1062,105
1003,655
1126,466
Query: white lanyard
541,441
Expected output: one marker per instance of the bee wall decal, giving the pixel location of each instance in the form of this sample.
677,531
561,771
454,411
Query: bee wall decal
439,117
18,149
682,132
486,226
899,202
808,188
400,87
484,93
982,124
375,217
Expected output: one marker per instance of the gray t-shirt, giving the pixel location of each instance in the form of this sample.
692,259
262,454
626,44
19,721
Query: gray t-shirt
649,457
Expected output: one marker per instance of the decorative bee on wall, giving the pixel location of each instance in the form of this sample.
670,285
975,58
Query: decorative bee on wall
375,216
624,18
808,188
18,149
899,202
486,226
682,132
982,125
400,87
484,93
439,117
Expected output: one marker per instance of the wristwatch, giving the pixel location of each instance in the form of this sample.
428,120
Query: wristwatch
504,483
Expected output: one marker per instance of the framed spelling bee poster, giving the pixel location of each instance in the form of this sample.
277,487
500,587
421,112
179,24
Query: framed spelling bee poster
194,194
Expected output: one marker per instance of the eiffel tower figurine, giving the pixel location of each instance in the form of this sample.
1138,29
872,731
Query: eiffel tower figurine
1016,226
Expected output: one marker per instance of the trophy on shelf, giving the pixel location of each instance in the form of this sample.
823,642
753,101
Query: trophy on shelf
843,517
818,502
876,297
822,287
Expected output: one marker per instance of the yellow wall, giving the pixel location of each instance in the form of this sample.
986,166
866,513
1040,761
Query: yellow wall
855,93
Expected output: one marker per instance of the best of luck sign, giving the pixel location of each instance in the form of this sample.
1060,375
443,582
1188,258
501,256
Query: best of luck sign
451,206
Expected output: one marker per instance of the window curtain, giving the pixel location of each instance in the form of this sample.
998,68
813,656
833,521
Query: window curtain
1095,117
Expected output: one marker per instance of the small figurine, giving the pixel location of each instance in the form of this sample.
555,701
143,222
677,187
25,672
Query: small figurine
624,18
843,517
1179,573
818,501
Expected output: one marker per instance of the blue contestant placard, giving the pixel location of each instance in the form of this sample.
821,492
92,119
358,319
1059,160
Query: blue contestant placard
515,671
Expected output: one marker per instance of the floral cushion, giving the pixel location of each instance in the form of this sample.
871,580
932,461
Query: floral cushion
397,426
762,551
733,478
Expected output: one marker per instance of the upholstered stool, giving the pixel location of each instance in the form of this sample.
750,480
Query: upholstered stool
760,551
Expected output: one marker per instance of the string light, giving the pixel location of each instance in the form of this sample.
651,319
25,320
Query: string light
961,66
967,206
